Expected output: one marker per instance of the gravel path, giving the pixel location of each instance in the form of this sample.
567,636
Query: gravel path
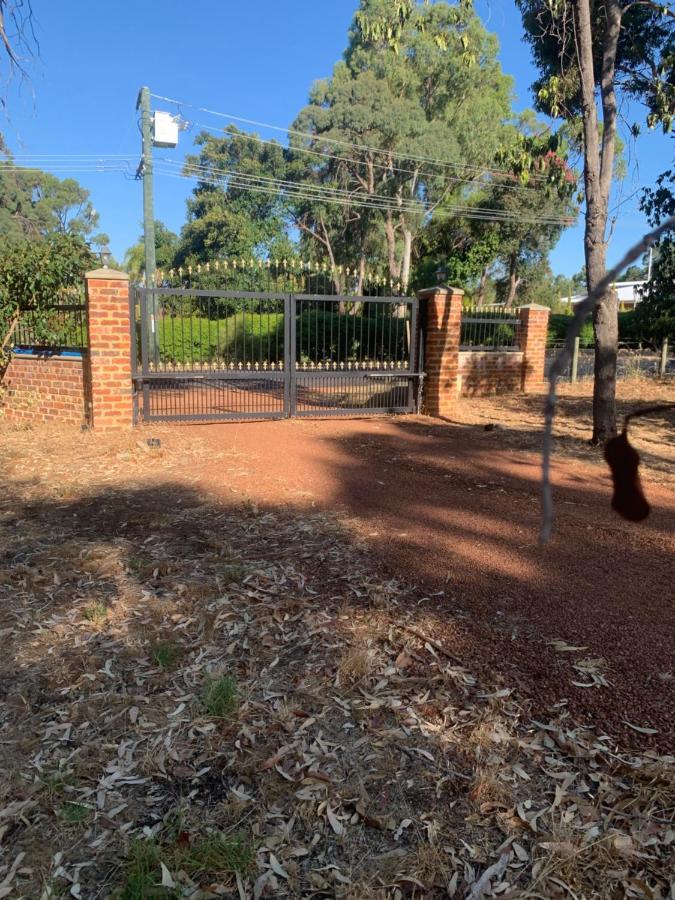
456,509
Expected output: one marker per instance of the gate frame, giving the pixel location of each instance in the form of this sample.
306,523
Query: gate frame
291,374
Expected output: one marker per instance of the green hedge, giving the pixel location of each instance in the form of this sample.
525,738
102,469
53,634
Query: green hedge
259,337
237,338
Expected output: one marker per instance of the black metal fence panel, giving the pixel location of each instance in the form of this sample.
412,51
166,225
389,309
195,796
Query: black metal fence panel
337,393
489,328
207,354
62,326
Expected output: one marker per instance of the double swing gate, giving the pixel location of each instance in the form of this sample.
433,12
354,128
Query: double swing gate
209,355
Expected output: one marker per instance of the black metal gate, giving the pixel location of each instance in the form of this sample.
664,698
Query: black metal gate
205,355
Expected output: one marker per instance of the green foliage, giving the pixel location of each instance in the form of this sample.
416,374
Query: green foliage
37,273
237,338
218,855
656,313
225,220
34,203
75,813
143,876
166,248
629,329
219,696
644,59
322,336
95,612
420,79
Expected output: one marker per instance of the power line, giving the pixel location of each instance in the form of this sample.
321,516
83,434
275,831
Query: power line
318,192
360,162
339,142
481,213
14,156
69,167
313,194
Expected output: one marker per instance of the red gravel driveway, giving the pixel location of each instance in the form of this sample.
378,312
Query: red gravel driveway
455,510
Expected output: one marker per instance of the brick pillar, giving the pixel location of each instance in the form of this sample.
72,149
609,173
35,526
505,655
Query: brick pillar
109,356
442,315
532,337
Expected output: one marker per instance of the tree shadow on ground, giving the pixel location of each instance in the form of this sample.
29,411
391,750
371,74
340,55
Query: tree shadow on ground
171,562
446,511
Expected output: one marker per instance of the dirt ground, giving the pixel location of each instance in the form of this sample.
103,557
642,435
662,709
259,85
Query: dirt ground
455,509
413,697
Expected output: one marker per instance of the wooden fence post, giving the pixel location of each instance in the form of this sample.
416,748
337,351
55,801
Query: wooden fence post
575,361
663,363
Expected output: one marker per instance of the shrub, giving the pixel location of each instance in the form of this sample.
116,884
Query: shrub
38,273
322,335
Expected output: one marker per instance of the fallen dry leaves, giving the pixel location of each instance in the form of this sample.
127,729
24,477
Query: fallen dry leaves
176,669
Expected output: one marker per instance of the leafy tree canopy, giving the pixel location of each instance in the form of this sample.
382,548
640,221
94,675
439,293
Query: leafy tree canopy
656,312
225,219
166,248
34,203
417,80
643,64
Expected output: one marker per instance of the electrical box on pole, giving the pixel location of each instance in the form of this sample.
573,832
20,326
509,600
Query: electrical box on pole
165,130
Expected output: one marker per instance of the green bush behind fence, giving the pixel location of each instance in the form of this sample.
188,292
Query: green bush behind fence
321,337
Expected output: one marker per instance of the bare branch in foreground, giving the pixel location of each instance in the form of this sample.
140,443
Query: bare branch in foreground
559,365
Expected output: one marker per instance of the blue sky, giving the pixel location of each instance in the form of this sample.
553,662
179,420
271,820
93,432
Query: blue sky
255,59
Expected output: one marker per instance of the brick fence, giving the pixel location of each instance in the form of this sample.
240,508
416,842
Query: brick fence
91,388
45,387
452,372
96,388
109,328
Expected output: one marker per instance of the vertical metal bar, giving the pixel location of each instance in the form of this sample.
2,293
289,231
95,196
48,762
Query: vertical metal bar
134,350
412,351
293,368
331,306
289,312
145,361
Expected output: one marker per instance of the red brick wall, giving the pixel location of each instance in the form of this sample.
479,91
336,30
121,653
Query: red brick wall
109,349
451,372
44,388
532,340
442,316
483,373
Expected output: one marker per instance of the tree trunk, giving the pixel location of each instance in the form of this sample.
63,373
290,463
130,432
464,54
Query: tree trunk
390,234
598,166
405,262
480,293
514,281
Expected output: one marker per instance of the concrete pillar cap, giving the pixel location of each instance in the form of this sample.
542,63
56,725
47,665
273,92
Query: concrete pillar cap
440,289
103,274
535,306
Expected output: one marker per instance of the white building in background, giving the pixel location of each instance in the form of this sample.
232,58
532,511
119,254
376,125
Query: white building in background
629,293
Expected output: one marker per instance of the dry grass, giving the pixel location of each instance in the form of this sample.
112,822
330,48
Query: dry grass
203,700
521,420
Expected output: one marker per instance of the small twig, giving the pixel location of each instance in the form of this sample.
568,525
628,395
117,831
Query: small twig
431,642
10,332
559,365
